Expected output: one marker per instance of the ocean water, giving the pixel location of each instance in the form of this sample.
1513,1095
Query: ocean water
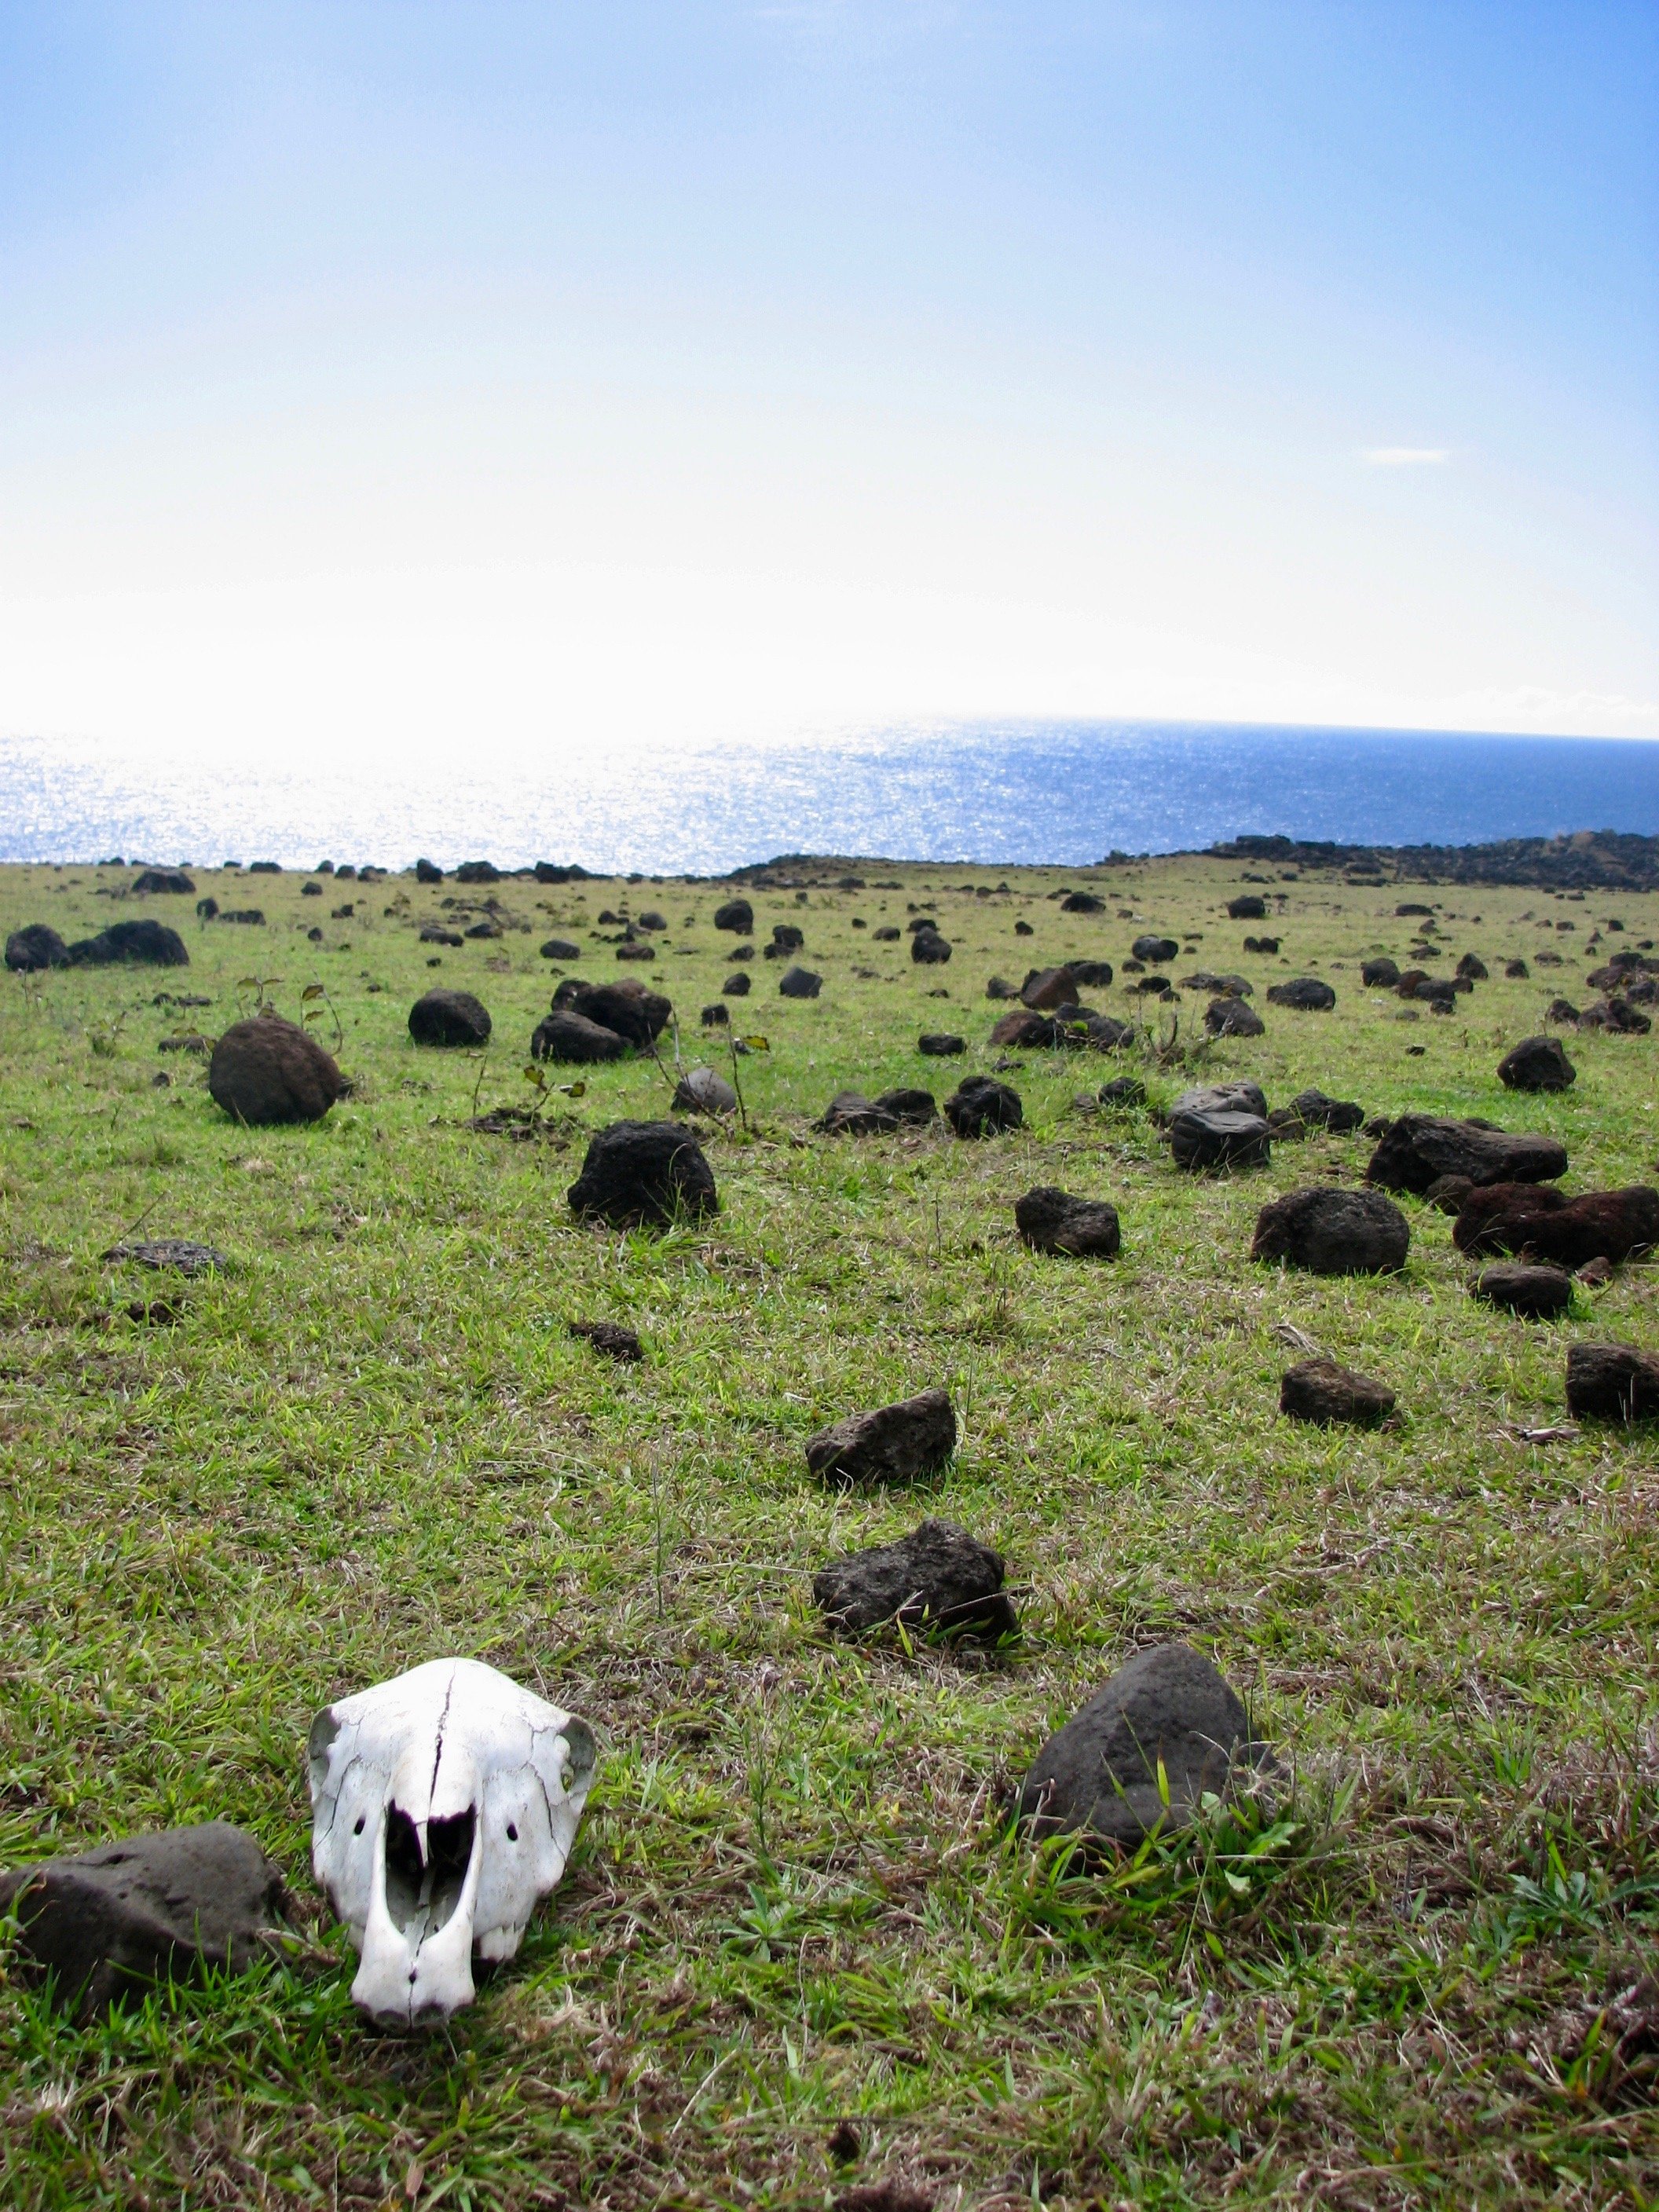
1067,793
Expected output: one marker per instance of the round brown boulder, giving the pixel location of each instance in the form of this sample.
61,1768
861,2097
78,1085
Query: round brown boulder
449,1018
267,1071
644,1172
1537,1063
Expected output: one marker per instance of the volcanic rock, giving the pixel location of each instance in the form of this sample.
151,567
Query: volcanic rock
1537,1063
1333,1233
939,1578
850,1114
1418,1149
786,938
650,1172
426,872
1321,1391
901,1443
1535,1294
737,985
700,1091
1516,970
1124,1093
1339,1115
1082,902
914,1108
1266,944
266,1070
178,1253
119,1919
433,935
717,1016
478,872
1166,1714
1155,950
980,1106
632,950
165,879
1248,908
1240,1097
637,1015
449,1018
1381,974
998,987
1233,1017
1052,1220
929,949
736,915
1540,1223
940,1044
1217,1137
800,983
33,947
573,1041
150,943
559,948
610,1339
1615,1015
1306,994
1612,1382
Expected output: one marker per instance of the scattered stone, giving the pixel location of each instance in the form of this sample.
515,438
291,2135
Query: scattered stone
1333,1233
1448,1193
717,1016
1616,1015
1537,1063
850,1114
1219,1137
737,985
266,1070
980,1106
1233,1017
1051,1220
1418,1149
426,872
636,951
116,1921
1595,1275
1516,970
1125,1094
1082,902
1155,950
700,1091
1264,945
165,879
787,938
571,1040
478,872
638,1016
940,1579
1612,1382
192,1041
611,1338
650,1172
913,1107
1472,968
178,1253
1248,908
1046,989
940,1044
449,1018
1318,1111
1027,1031
656,923
1241,1097
1167,1713
1023,929
1535,1294
151,943
1305,993
35,947
1379,974
483,931
433,935
886,935
557,948
999,988
1540,1223
800,983
929,949
901,1443
1321,1391
1562,1010
736,915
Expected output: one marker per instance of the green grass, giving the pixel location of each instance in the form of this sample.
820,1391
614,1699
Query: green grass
796,1897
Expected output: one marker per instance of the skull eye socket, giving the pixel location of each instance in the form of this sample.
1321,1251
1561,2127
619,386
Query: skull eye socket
512,1833
357,1827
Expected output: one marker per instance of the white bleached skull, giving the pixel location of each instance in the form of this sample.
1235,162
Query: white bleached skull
444,1805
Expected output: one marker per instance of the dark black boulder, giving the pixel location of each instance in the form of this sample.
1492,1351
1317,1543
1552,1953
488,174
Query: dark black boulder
1332,1231
736,915
940,1044
560,948
800,983
1155,950
737,985
913,1107
980,1106
940,1579
1537,1063
1082,902
610,1339
173,880
1305,994
1248,908
33,947
1535,1294
1418,1149
571,1040
1321,1391
1612,1382
1219,1137
1315,1109
119,1920
426,872
1233,1017
1167,1711
1381,973
1049,1220
449,1018
901,1443
644,1172
267,1071
151,943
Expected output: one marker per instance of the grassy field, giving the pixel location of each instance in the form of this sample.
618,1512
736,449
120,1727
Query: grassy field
797,1899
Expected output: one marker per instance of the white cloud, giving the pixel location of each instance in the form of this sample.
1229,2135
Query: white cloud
1406,457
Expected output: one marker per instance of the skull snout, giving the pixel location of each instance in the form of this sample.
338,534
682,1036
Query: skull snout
418,1946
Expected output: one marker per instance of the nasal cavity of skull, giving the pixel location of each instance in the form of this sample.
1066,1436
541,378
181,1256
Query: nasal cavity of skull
421,1894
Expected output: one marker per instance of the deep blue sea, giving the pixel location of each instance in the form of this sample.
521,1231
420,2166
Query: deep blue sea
1061,792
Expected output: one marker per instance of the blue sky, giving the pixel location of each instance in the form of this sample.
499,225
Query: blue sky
388,376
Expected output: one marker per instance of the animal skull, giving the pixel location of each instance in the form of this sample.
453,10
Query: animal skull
444,1805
